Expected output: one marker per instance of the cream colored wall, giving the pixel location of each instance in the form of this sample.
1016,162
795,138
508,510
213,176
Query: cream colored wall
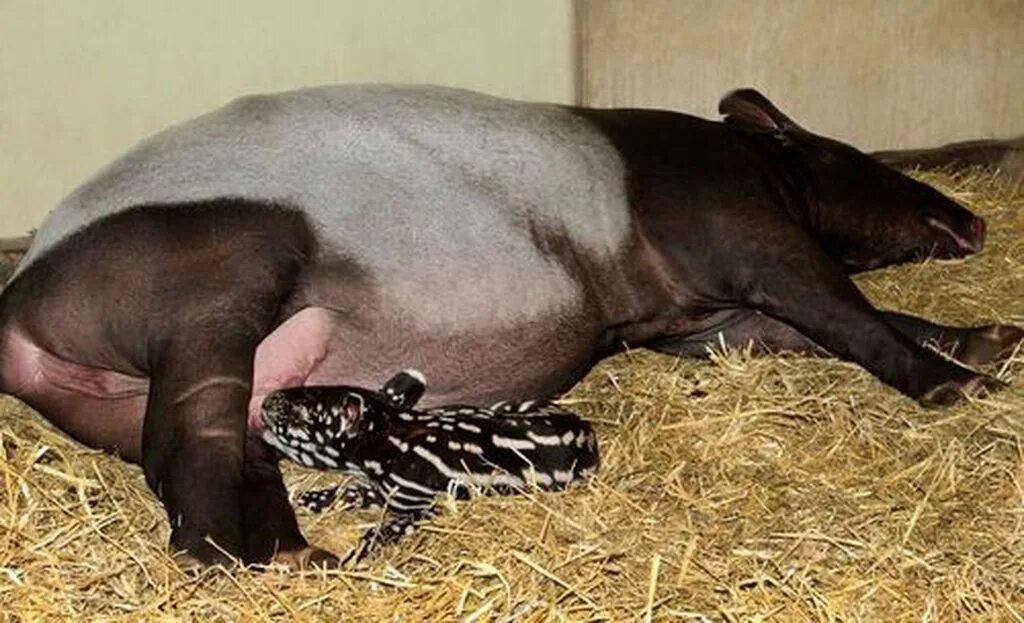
81,81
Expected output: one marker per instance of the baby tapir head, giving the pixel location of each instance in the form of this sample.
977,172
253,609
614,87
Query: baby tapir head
865,214
312,425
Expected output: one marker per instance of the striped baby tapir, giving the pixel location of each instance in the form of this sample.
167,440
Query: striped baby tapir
407,457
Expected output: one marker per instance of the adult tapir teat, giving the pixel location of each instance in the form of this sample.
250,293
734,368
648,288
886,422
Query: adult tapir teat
332,235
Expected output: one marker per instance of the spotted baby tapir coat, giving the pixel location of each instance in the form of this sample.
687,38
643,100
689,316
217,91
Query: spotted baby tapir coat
407,457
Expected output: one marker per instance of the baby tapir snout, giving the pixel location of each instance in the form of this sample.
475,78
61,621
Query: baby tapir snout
276,408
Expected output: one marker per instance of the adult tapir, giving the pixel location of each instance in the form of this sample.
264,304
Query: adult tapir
333,235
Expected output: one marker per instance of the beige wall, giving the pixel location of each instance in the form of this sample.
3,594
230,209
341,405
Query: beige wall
81,81
878,73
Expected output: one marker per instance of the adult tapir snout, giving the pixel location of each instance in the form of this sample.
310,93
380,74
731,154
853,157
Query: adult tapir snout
969,236
955,231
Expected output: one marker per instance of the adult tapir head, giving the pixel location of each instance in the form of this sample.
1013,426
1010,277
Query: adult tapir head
865,214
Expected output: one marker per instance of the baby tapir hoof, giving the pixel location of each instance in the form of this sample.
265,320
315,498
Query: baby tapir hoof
952,392
989,344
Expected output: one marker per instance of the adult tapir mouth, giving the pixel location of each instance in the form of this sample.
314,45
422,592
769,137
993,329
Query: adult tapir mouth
967,244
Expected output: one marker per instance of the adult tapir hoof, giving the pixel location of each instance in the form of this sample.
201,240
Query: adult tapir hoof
190,563
951,392
989,344
302,559
306,558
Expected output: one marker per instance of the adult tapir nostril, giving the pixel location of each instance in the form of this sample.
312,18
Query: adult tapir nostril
970,239
975,238
978,233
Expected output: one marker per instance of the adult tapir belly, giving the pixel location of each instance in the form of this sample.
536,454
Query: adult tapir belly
456,233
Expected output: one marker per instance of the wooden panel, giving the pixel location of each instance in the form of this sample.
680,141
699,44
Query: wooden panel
878,73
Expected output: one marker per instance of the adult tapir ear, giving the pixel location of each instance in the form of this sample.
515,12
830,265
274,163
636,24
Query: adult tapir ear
748,107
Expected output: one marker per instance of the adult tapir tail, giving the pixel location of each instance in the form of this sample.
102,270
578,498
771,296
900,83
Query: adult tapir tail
11,252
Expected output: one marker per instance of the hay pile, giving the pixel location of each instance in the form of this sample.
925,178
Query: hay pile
738,489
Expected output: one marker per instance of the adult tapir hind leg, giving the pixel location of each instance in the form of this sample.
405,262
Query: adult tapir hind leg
181,295
767,335
269,525
221,488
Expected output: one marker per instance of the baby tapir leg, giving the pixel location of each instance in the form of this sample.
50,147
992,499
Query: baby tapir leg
355,495
390,531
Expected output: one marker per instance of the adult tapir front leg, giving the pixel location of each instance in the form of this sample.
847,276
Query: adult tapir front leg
788,277
744,327
269,525
219,482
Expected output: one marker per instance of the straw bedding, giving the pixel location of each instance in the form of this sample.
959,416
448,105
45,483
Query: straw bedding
740,488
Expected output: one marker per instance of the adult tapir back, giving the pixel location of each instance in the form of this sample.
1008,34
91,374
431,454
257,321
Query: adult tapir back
380,169
331,235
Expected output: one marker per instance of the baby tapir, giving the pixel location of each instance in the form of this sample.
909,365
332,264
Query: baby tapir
406,457
328,236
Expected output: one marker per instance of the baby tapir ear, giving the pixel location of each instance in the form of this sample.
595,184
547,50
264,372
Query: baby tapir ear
405,388
748,107
352,408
